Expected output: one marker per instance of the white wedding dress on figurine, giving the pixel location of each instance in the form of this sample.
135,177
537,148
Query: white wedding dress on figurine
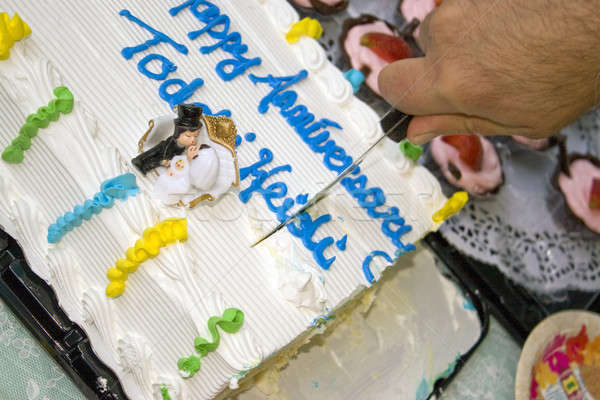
211,173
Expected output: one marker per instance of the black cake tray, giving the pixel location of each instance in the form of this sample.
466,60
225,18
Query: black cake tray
34,302
518,309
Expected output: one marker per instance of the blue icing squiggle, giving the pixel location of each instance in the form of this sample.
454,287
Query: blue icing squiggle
238,140
120,187
217,26
158,37
250,137
316,134
305,227
166,65
367,263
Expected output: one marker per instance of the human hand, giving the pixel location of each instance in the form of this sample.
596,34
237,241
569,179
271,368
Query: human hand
192,152
165,163
499,67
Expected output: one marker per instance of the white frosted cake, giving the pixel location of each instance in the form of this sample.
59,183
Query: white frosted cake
298,125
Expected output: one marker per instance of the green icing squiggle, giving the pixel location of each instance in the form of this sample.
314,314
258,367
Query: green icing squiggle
61,104
164,391
230,322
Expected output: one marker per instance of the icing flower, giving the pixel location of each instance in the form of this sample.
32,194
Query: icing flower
453,205
305,27
11,30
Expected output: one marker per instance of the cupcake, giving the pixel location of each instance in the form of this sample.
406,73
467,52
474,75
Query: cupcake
325,7
470,162
418,9
370,44
578,180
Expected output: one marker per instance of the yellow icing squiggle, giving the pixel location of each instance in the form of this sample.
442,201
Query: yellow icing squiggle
305,27
453,205
148,246
11,30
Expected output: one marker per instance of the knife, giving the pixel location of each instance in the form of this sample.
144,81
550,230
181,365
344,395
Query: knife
394,124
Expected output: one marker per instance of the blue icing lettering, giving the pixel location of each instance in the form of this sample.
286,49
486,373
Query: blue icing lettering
337,154
366,266
396,234
238,140
265,157
218,27
166,65
302,198
250,137
341,244
185,91
305,228
313,133
158,37
278,84
207,110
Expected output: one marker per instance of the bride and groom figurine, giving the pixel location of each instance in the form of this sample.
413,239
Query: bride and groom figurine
194,154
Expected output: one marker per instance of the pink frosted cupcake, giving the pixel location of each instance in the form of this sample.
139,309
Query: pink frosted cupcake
370,44
325,7
578,180
469,162
418,9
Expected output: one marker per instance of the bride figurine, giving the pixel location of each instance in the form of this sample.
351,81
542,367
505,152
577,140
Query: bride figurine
193,153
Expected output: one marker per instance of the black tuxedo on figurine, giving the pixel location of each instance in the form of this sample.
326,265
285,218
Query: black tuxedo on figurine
189,119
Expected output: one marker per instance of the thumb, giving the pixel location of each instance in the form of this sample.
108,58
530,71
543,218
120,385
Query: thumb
424,128
409,86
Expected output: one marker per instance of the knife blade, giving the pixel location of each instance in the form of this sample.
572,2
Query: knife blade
394,124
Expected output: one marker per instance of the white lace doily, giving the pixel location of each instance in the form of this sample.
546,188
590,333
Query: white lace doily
526,229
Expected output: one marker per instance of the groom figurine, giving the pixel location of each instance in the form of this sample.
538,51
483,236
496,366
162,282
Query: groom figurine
187,128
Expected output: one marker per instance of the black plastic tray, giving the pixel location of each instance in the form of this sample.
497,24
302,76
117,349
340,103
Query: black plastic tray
35,304
517,309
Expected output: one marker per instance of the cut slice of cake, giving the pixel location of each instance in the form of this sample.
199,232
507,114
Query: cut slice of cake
199,308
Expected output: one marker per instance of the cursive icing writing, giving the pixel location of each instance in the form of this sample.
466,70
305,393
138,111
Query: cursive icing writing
305,228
